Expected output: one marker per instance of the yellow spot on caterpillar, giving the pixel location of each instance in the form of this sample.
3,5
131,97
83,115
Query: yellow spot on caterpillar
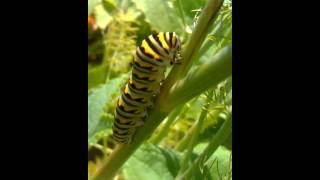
167,36
126,90
91,167
130,81
174,39
163,41
148,50
119,102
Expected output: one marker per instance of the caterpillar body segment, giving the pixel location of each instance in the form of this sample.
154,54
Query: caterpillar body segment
155,53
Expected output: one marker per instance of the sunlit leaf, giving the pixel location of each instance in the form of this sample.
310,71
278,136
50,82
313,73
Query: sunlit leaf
161,15
98,99
102,16
220,164
92,4
152,162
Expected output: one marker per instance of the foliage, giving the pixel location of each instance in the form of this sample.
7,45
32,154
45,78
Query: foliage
195,101
160,163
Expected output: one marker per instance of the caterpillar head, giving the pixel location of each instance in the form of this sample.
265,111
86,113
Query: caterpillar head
175,51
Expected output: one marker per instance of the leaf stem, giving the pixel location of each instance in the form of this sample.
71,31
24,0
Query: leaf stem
195,135
166,127
193,44
216,141
219,66
182,15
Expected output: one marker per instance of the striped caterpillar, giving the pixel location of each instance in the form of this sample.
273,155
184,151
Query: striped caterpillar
152,57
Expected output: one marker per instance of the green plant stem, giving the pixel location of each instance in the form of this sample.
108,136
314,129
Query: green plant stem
193,44
175,113
123,152
166,127
226,31
216,141
223,42
202,78
183,143
219,66
195,135
220,63
182,14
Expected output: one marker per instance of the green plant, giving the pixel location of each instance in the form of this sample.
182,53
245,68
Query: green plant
206,65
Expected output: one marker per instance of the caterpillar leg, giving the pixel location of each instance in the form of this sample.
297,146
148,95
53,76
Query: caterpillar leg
150,104
124,138
132,132
157,92
176,61
139,123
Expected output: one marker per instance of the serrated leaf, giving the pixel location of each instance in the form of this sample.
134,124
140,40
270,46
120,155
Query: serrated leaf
219,164
161,15
98,99
217,167
152,162
103,127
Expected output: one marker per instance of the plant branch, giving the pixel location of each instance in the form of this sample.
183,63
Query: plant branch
166,127
193,44
219,66
216,141
195,135
207,75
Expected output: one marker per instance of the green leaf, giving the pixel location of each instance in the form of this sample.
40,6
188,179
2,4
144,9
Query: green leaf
103,18
98,99
96,76
103,128
200,147
219,164
92,4
161,15
228,142
152,162
190,9
110,5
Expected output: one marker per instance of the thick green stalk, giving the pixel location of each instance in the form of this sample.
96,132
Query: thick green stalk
195,135
220,63
216,141
214,70
206,19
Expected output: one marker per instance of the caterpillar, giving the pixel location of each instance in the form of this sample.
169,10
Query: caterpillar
155,53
